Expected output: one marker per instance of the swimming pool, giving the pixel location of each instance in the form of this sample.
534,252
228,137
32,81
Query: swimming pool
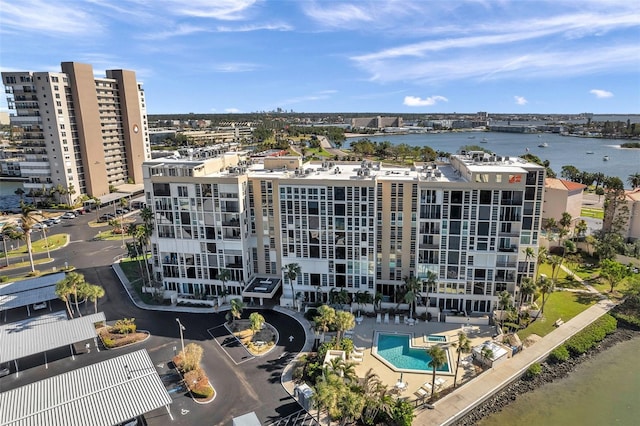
396,351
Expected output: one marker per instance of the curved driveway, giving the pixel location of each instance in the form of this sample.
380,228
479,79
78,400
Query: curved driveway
251,386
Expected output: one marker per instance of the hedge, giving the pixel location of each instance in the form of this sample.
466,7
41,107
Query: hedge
591,335
629,320
559,355
533,370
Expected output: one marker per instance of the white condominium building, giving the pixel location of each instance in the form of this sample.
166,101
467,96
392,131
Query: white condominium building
354,227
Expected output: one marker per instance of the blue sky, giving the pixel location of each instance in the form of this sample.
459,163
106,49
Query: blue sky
215,56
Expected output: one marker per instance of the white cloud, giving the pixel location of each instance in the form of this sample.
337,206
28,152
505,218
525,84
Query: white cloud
415,101
601,94
52,19
235,67
502,63
323,94
520,100
224,10
255,27
339,15
180,30
232,110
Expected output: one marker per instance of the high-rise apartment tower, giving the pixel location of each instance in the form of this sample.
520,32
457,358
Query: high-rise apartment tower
83,133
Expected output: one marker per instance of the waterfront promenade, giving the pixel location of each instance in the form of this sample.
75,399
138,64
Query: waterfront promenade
455,405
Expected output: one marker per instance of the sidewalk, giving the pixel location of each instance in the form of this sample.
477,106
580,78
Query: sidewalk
456,404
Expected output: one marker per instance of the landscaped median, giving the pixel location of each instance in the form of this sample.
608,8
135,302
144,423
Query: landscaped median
123,333
187,362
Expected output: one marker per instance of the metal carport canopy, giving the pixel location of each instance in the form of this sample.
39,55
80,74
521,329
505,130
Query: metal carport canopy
101,394
40,334
26,292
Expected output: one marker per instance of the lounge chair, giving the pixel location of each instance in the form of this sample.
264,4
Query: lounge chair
440,382
356,358
426,386
357,354
386,318
397,320
421,393
378,319
359,348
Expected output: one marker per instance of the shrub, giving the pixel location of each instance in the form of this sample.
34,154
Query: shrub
108,342
178,361
629,320
124,326
591,335
4,278
533,370
204,392
192,356
559,355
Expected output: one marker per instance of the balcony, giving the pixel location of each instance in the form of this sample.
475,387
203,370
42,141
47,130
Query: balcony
510,249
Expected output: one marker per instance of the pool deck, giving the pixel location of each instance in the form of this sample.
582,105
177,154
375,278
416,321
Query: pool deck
364,335
472,392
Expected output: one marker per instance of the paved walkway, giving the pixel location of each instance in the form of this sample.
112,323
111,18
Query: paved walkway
456,404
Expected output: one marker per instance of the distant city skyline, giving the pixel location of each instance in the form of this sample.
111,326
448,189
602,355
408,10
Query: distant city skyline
242,56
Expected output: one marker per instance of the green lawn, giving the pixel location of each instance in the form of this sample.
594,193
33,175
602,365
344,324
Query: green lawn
560,304
40,246
591,212
131,270
318,152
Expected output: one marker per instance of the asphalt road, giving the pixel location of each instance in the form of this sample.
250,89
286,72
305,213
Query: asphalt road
253,385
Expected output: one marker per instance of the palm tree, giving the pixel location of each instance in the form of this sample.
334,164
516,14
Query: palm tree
63,291
486,354
543,256
527,288
27,213
429,282
257,321
325,317
438,359
236,310
634,180
412,295
20,193
10,231
70,192
504,301
224,276
344,321
463,345
565,222
291,271
75,283
93,293
546,287
581,228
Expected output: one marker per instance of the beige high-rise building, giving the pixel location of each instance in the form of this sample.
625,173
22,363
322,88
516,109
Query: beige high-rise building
78,131
460,227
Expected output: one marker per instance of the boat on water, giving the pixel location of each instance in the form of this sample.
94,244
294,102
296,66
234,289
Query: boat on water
484,140
589,152
471,137
605,158
543,145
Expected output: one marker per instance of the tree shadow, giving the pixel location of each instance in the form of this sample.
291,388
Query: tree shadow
587,298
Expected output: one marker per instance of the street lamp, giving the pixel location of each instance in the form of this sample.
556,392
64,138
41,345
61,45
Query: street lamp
181,335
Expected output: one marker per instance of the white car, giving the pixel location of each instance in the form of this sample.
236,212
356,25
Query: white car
68,215
39,225
38,306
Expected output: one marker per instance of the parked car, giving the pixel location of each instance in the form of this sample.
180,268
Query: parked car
119,211
39,225
4,371
57,219
68,215
38,306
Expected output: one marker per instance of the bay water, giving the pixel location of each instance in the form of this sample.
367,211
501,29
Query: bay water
586,154
604,390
